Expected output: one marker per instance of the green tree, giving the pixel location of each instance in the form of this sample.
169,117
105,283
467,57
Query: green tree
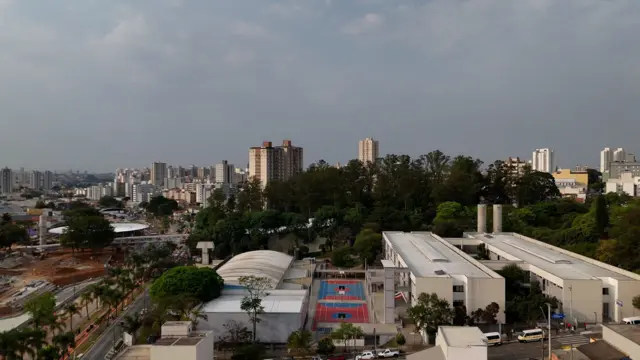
299,341
636,302
87,232
203,284
256,288
429,312
160,206
367,245
348,333
41,309
132,323
11,234
400,339
63,342
86,298
109,202
341,257
70,310
40,204
602,216
325,346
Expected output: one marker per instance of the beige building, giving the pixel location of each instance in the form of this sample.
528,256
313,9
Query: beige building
455,343
516,165
368,150
268,162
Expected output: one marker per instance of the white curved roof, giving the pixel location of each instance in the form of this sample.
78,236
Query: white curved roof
259,263
117,228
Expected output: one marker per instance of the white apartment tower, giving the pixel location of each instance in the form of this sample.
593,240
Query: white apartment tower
224,173
47,180
543,160
158,173
368,150
619,155
270,162
6,181
606,157
36,180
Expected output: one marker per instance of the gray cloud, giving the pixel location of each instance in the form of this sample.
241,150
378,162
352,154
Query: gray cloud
99,84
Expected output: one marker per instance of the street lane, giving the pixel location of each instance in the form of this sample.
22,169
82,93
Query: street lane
105,342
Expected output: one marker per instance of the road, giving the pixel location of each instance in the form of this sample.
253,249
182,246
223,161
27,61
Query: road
105,342
518,351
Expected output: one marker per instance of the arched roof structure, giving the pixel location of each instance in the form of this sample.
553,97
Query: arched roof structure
259,263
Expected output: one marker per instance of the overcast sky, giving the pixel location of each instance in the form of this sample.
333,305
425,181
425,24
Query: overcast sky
100,84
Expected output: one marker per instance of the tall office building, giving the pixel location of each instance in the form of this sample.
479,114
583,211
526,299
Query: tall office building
270,162
543,160
368,150
47,180
36,180
224,173
158,173
6,181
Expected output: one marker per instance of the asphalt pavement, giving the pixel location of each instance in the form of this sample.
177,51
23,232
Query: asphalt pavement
105,342
525,351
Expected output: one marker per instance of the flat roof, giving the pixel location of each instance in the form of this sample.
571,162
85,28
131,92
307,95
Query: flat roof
428,256
548,258
136,352
117,228
278,301
631,332
462,336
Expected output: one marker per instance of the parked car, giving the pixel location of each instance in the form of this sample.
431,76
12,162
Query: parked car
367,355
388,353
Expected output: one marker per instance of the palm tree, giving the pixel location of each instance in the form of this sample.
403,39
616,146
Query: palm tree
49,352
132,324
300,341
63,342
29,341
8,343
71,309
85,299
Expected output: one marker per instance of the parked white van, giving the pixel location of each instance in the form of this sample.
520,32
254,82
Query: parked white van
493,338
531,335
635,320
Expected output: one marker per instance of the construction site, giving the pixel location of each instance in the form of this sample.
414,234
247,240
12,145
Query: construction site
23,275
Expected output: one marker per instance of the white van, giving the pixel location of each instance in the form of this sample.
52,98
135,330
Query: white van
493,338
531,335
635,320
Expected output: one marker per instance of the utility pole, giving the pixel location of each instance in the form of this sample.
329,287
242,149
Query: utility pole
549,328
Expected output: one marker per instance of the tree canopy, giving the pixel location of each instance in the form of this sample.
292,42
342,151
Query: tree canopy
203,284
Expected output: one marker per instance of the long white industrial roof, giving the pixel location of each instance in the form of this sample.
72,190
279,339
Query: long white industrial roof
259,263
547,258
428,256
277,301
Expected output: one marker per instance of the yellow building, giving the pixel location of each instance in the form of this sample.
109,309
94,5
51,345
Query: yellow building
580,178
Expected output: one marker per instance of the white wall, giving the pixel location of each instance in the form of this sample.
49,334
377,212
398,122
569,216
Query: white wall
481,292
273,327
625,291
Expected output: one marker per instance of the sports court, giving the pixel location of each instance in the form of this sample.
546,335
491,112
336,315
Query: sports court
341,290
341,312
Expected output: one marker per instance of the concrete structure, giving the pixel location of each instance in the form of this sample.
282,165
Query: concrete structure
158,173
205,246
497,218
606,157
626,183
617,168
36,180
422,262
368,150
6,181
178,341
47,180
543,160
625,338
587,289
118,228
286,302
516,165
455,343
224,173
572,183
482,218
268,162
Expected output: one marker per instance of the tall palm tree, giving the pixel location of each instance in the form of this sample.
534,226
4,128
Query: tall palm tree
63,342
8,343
49,352
29,341
85,299
132,324
71,309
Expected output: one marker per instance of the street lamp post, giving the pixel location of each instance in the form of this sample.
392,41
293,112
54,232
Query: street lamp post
571,306
549,328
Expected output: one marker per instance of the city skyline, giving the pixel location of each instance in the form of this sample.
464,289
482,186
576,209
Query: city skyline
478,78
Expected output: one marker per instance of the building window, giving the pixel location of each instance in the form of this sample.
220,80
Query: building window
458,288
457,303
605,291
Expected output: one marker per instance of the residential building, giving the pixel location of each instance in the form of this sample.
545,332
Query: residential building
158,173
142,192
543,160
239,176
368,150
96,192
617,168
268,162
171,183
36,180
224,173
47,180
516,165
627,183
619,155
425,263
6,181
203,192
455,343
203,173
178,340
606,157
572,183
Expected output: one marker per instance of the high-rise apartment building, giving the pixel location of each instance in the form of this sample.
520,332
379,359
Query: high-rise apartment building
606,157
36,180
515,166
543,161
47,180
368,150
619,155
6,181
224,173
270,162
158,173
